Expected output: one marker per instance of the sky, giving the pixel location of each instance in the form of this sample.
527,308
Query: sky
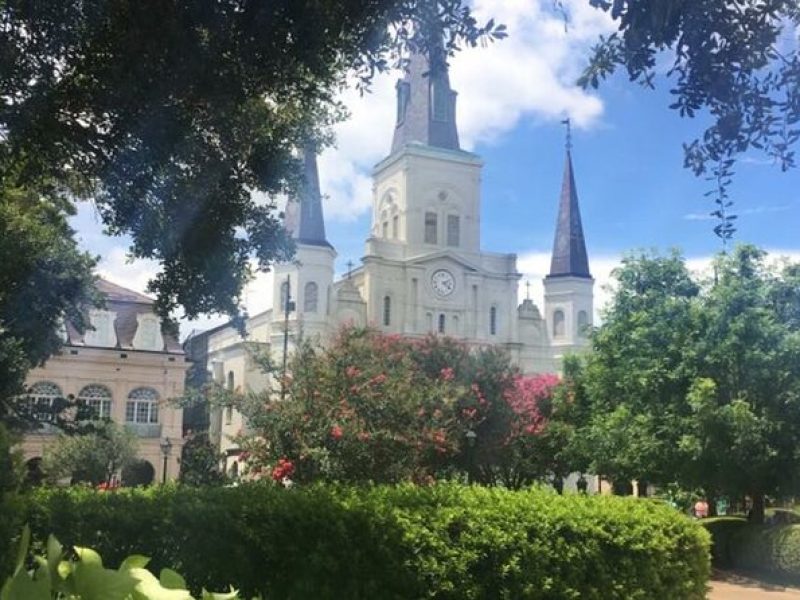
512,96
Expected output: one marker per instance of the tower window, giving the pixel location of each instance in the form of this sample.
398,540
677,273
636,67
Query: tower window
387,311
395,226
558,323
453,230
430,228
441,323
310,297
583,323
493,320
385,229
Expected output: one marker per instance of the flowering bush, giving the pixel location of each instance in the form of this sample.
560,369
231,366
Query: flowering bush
383,408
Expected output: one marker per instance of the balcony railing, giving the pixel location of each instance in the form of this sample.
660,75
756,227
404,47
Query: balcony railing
144,430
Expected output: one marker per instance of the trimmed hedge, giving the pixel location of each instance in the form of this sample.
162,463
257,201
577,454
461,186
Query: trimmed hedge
722,530
445,541
774,550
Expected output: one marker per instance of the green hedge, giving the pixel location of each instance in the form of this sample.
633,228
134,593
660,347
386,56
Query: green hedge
771,549
722,530
445,541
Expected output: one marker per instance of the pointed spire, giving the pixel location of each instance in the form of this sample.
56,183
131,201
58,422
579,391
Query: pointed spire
311,228
569,247
426,104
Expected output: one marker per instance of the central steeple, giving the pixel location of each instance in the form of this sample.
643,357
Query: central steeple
426,104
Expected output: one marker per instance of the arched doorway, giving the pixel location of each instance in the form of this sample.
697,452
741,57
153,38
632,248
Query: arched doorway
33,472
138,473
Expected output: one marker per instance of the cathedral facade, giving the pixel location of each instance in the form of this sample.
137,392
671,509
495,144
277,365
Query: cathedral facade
423,270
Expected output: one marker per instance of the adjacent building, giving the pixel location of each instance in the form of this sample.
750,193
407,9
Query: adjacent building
127,369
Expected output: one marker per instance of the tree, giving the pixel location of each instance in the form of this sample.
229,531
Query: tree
381,408
170,115
200,462
699,384
93,457
739,61
44,281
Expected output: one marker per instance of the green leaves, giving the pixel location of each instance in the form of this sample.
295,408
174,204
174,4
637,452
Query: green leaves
60,578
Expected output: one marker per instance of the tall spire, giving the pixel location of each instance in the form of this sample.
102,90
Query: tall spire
311,228
569,247
426,104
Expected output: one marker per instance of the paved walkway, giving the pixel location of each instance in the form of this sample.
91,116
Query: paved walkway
729,586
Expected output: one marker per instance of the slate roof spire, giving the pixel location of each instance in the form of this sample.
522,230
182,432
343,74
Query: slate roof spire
569,248
426,104
311,226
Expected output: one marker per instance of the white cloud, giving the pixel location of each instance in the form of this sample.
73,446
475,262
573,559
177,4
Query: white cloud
530,74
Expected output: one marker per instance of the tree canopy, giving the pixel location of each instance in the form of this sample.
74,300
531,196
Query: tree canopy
698,382
739,61
178,119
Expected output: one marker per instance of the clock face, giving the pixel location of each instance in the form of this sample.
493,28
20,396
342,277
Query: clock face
443,282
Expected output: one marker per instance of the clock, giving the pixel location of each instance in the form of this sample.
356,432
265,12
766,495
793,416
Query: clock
443,282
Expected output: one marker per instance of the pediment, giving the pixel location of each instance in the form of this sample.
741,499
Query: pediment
444,257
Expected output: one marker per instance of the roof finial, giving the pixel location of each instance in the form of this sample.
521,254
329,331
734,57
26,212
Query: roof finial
527,289
349,264
568,125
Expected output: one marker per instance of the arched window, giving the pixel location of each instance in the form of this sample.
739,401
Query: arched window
387,311
310,297
284,295
453,230
583,323
430,227
41,398
395,226
493,320
385,230
558,323
98,399
403,93
142,406
442,320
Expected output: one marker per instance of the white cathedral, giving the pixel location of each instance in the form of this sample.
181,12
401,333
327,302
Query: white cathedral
423,269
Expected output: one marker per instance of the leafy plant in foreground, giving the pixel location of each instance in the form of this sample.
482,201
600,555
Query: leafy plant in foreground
79,574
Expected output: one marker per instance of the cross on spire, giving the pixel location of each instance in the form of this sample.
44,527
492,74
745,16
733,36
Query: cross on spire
349,265
568,125
527,289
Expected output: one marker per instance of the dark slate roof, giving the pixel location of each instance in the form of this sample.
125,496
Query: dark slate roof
127,305
311,229
418,119
569,247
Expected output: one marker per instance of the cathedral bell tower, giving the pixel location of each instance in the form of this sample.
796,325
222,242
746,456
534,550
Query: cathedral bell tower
568,289
305,283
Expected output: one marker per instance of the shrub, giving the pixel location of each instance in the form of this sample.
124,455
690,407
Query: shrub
772,550
443,541
722,530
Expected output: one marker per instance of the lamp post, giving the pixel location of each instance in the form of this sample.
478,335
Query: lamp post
471,438
289,306
166,448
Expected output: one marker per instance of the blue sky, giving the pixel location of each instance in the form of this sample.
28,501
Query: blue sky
633,189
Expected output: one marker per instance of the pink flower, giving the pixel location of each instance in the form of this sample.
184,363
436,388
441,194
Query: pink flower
352,371
336,432
284,468
447,374
379,379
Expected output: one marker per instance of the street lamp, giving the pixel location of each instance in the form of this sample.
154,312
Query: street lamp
471,438
166,448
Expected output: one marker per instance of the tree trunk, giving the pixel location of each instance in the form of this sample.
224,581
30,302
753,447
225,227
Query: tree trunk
756,514
558,483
